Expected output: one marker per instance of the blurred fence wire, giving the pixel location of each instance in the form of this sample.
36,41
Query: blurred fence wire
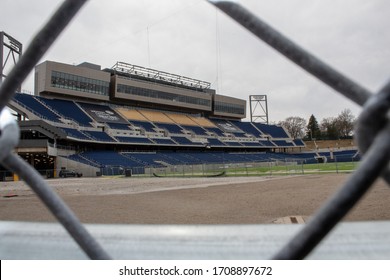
372,131
9,130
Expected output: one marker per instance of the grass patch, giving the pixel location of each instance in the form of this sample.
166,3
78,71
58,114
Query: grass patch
264,170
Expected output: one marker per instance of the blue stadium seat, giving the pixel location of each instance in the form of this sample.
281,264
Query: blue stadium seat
306,157
163,141
273,130
213,142
74,133
251,144
233,144
196,129
134,140
155,159
171,128
188,158
248,128
33,105
173,158
120,126
299,143
239,134
283,143
98,107
266,143
147,126
185,141
209,157
99,136
79,158
347,155
146,159
69,110
216,130
109,158
237,157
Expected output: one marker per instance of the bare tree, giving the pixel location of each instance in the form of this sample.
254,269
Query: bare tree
345,122
329,129
295,126
339,127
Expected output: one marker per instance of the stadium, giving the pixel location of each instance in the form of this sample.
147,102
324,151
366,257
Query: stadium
130,120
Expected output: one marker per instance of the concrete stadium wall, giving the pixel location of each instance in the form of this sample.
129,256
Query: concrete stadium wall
87,170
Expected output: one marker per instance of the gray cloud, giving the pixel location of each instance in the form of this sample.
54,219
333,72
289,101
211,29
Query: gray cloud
191,38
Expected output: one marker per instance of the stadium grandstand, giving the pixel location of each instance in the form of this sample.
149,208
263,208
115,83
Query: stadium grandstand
133,118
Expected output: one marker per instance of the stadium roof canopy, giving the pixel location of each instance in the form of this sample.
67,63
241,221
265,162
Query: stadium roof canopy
130,69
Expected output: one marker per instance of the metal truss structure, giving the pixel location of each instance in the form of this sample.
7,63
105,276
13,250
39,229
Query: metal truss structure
9,47
258,105
130,69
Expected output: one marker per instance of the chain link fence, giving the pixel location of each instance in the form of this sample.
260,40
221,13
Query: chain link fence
281,167
372,131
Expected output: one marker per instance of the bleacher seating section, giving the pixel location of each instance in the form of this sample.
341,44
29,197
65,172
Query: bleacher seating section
120,126
266,143
134,140
171,128
272,130
215,142
163,141
299,142
233,144
251,144
184,141
109,158
165,158
248,128
74,133
99,136
80,158
32,104
68,110
146,159
146,127
197,130
283,143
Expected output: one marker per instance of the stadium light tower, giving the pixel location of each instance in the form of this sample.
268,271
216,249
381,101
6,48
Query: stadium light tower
259,108
9,46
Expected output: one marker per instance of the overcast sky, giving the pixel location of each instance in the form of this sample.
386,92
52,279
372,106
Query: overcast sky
193,39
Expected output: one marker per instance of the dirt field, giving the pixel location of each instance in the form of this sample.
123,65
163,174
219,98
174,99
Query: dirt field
225,200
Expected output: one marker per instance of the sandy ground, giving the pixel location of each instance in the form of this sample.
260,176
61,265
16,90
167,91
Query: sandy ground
224,200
